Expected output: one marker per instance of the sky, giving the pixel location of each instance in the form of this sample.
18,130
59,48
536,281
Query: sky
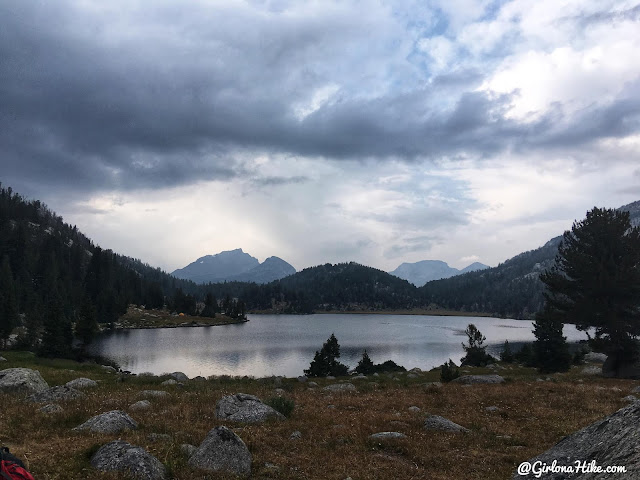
321,131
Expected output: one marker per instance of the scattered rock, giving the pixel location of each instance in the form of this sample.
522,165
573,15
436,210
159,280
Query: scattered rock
140,405
436,422
330,377
277,381
412,375
2,359
636,390
59,393
21,381
613,440
492,408
593,357
114,421
302,379
171,381
295,435
119,456
312,384
279,392
475,379
199,378
179,376
154,394
159,437
359,377
222,450
382,436
51,408
630,398
188,449
80,383
591,370
245,408
331,406
433,385
414,409
108,368
416,370
340,387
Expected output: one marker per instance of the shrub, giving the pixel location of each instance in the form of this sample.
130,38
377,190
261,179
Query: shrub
449,371
365,365
506,355
280,404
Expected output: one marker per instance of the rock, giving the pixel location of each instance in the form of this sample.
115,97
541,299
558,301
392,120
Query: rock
200,378
340,387
382,436
593,357
624,370
56,394
245,408
630,398
21,381
188,449
80,383
359,377
636,390
414,409
179,376
140,405
614,440
416,370
119,456
433,385
171,381
330,377
154,394
591,370
279,392
2,359
114,421
108,368
159,437
492,408
295,435
475,379
312,385
222,450
302,379
51,408
412,375
436,422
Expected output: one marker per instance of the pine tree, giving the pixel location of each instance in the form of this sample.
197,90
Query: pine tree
550,349
9,318
365,365
325,361
595,283
87,323
58,334
476,355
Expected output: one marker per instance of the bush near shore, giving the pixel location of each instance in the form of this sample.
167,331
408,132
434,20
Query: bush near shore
533,413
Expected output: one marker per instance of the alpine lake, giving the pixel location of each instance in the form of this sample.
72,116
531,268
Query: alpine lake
284,345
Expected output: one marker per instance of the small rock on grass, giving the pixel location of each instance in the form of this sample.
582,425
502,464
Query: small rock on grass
222,451
436,422
51,408
56,394
119,456
381,436
340,387
140,405
114,421
80,383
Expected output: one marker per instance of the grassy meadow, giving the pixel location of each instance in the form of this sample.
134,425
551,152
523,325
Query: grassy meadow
533,415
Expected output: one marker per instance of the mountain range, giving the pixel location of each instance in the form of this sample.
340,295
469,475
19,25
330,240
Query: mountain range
425,271
234,266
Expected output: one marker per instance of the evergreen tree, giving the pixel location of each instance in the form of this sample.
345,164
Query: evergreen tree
476,355
58,334
210,306
325,361
9,318
506,355
550,349
595,283
365,365
87,323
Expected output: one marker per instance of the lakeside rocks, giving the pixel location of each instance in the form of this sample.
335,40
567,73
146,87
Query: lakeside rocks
245,408
82,383
612,441
436,422
222,450
56,394
21,381
476,379
114,421
119,456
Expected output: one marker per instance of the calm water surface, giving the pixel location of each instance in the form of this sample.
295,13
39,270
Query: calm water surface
285,344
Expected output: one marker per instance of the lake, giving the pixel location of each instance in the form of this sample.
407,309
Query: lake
285,344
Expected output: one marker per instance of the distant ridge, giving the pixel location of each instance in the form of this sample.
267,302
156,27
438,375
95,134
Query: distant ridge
425,271
234,265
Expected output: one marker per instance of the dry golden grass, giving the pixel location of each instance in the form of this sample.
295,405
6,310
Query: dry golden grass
335,428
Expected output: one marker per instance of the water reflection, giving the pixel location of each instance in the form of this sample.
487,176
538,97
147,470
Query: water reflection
285,344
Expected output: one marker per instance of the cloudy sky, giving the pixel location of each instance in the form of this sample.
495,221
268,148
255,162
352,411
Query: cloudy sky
321,131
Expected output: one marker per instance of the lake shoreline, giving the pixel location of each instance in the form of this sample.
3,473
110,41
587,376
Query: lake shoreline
435,313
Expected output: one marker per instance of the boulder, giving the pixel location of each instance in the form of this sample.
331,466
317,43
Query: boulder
340,388
114,421
593,357
108,368
222,451
612,441
630,398
302,379
59,393
475,379
436,422
153,394
623,370
297,435
2,359
21,381
591,370
119,456
140,405
51,408
200,378
492,408
171,381
245,408
80,383
382,436
414,409
188,449
179,376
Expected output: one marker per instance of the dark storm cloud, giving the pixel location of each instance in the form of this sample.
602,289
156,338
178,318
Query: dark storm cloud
163,94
